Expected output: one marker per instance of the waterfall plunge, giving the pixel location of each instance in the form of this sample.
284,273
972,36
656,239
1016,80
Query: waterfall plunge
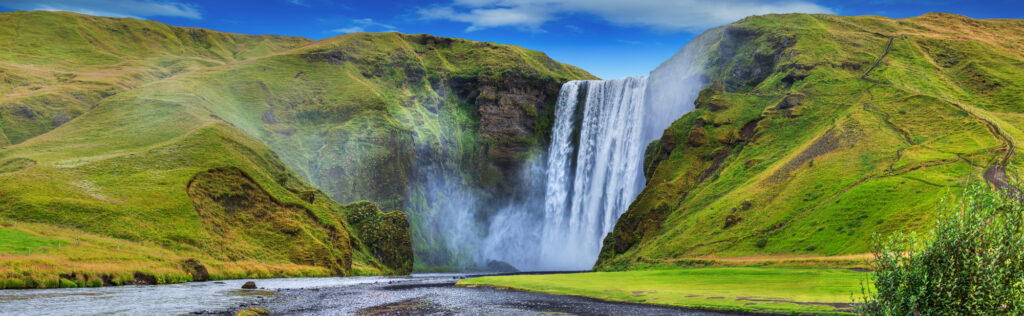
594,163
593,167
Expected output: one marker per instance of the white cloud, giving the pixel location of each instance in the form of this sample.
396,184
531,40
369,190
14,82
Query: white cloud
353,29
489,16
664,15
361,25
299,2
111,8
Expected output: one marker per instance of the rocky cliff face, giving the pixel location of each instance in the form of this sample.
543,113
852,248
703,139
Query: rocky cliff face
515,112
793,149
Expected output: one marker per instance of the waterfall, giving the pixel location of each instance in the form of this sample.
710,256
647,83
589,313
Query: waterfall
594,163
594,167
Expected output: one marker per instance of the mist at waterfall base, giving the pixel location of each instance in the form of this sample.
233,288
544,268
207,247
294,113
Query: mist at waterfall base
576,190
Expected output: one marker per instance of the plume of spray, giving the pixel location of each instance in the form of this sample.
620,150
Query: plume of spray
577,190
593,169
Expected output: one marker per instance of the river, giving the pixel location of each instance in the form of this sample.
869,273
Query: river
418,294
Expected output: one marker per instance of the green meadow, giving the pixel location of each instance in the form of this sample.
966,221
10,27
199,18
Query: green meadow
753,289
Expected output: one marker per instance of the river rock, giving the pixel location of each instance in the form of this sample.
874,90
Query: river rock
501,266
249,285
196,269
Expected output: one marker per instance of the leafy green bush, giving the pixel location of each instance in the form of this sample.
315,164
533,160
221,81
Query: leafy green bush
15,283
65,283
971,263
50,283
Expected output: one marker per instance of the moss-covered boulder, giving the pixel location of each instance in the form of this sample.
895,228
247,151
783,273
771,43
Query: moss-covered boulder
384,235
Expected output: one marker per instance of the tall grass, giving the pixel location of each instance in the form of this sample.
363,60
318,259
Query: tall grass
971,263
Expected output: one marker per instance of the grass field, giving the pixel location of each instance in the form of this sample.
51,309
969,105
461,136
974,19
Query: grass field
755,289
40,255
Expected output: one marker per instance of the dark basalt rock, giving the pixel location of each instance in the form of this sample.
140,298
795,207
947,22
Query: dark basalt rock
790,101
731,220
196,269
144,279
500,266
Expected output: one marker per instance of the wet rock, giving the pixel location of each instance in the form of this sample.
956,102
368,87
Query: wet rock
500,266
196,269
144,279
790,101
249,285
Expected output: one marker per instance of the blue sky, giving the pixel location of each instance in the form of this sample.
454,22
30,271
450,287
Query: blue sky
609,38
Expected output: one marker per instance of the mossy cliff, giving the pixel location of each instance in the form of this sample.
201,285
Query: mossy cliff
795,149
380,117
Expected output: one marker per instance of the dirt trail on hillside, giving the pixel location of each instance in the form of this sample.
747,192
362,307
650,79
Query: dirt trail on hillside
995,174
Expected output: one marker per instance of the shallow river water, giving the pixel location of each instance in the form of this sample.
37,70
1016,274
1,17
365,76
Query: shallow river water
171,299
418,294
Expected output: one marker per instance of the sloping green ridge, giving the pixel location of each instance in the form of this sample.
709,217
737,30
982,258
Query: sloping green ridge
54,66
187,143
792,152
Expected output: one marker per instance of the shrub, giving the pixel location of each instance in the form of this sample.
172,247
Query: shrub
15,283
29,283
971,263
94,283
50,283
761,243
65,283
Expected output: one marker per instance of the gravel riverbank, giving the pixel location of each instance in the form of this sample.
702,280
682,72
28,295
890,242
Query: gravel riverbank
438,295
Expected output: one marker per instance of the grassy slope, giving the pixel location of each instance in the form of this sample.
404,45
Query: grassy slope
775,289
43,85
121,170
852,157
172,161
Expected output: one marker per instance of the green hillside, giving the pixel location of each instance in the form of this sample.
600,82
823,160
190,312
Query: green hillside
180,143
794,151
56,66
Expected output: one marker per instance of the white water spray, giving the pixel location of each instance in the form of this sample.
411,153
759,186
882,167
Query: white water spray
587,192
594,163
